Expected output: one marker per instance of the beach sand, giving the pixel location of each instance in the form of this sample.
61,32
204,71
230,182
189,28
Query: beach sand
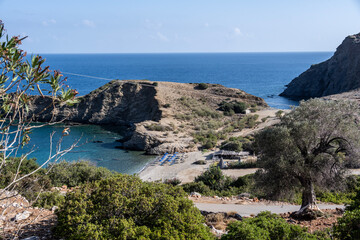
186,171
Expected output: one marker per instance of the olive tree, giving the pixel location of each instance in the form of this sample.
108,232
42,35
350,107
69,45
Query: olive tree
20,79
311,146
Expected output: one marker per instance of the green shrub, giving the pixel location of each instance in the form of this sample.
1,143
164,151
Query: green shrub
173,181
348,226
200,162
73,174
29,186
155,84
231,188
202,86
214,178
242,165
124,207
49,199
264,119
158,127
229,108
266,226
166,105
231,146
279,113
199,187
207,139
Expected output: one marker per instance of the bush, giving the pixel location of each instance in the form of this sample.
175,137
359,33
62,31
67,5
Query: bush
158,127
214,178
207,139
29,186
231,146
124,207
229,108
238,144
199,187
173,181
266,226
231,188
200,162
242,165
167,105
348,226
49,199
202,86
73,174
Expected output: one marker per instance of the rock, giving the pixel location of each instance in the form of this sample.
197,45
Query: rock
340,73
15,204
244,195
140,140
54,208
217,232
116,103
195,194
21,216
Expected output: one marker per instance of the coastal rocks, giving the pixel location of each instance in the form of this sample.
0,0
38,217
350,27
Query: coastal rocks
115,103
141,140
168,148
340,73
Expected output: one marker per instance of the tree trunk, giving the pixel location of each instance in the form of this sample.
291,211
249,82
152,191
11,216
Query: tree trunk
308,197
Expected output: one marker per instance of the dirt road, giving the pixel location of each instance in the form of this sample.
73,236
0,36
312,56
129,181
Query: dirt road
247,210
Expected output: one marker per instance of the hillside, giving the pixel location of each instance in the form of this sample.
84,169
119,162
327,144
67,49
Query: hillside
159,116
340,73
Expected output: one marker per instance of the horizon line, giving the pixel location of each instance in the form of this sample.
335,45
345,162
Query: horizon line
183,52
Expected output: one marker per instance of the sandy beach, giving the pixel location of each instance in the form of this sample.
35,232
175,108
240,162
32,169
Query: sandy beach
186,171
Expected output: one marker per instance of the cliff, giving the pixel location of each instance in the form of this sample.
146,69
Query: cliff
162,115
114,103
340,73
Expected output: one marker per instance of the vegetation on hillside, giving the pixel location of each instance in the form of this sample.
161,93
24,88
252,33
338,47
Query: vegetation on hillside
124,207
267,226
214,183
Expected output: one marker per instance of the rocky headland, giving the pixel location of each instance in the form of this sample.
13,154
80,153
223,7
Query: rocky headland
339,74
158,117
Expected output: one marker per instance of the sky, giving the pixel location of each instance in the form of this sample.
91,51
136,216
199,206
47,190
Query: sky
163,26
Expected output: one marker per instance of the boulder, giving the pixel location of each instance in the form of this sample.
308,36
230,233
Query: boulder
21,216
195,194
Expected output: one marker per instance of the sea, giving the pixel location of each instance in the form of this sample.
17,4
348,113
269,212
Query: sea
261,74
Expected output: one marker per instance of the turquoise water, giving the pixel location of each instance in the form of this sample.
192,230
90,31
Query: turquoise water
96,144
262,74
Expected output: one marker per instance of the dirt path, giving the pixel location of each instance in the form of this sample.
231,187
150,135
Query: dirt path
249,209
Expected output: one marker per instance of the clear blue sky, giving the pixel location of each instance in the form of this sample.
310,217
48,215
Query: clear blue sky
141,26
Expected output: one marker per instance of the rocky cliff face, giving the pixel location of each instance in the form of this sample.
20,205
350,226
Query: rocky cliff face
340,73
118,102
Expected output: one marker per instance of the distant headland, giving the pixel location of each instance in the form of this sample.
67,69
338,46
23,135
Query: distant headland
339,74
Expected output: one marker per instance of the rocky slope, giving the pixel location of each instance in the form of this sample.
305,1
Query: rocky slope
340,73
162,115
